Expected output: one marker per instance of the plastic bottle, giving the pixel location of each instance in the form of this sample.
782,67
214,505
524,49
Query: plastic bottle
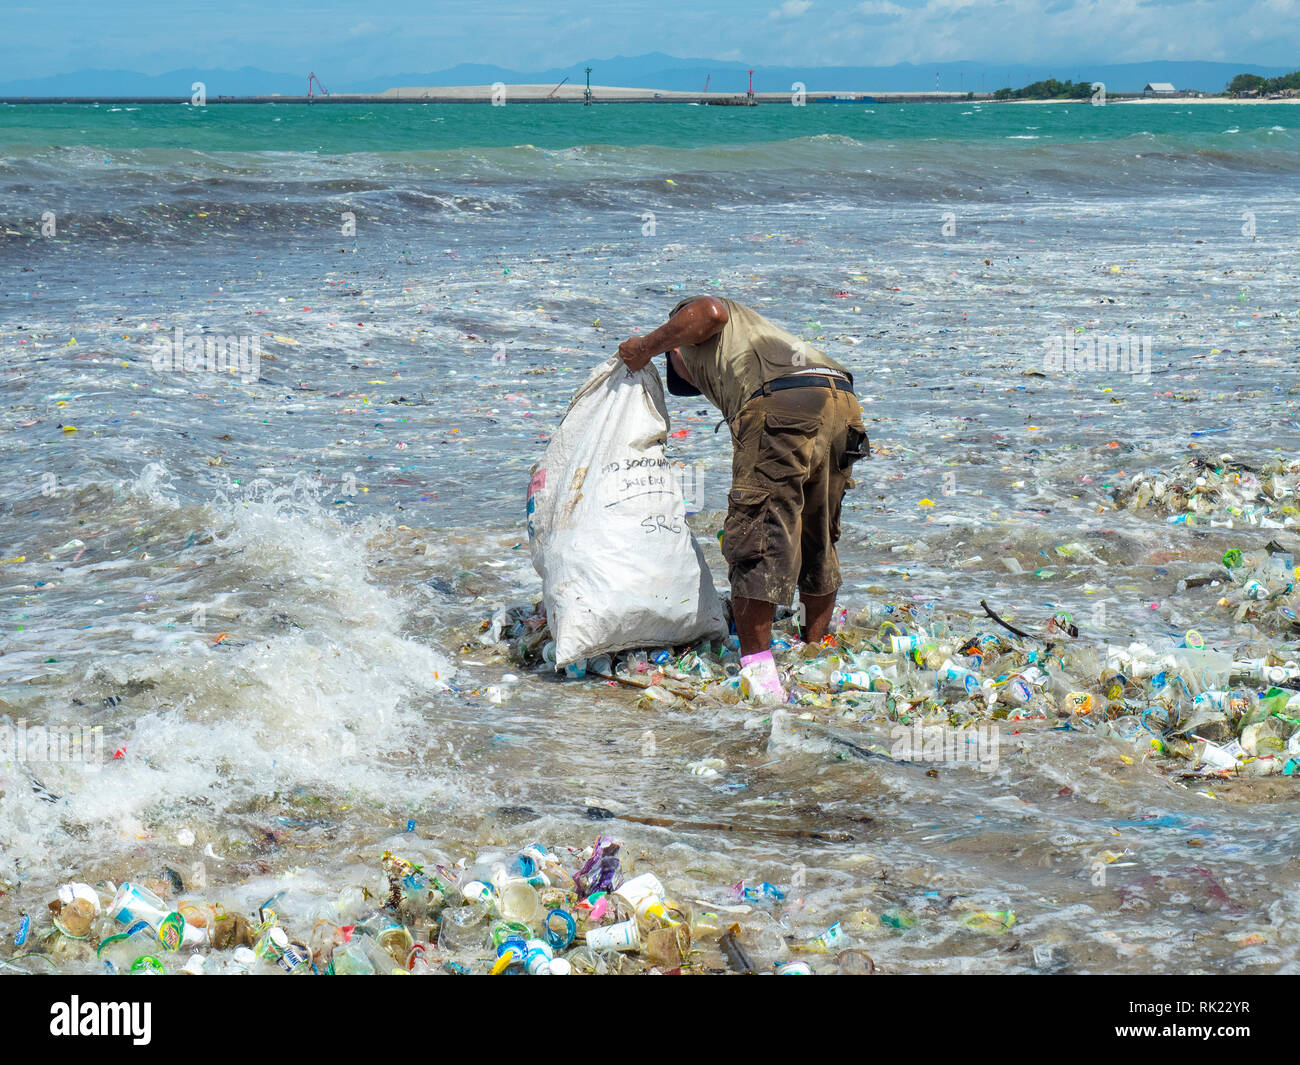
417,962
724,691
1238,703
537,958
817,671
872,613
869,679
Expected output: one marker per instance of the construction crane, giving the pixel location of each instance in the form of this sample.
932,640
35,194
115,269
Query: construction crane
313,80
557,88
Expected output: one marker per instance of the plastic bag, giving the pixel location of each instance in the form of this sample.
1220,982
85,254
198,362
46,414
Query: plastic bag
607,526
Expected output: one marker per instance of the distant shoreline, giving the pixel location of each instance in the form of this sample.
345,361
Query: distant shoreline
1120,98
601,94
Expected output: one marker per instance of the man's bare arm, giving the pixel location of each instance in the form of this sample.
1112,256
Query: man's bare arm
693,324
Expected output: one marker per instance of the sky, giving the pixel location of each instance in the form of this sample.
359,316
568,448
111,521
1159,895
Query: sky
364,40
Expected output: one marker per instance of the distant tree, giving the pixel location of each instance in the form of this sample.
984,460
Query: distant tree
1050,89
1247,83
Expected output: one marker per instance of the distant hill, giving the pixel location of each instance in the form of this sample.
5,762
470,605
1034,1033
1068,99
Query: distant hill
654,71
247,81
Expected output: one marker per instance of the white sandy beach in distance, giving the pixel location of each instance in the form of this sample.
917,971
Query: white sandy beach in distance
1153,100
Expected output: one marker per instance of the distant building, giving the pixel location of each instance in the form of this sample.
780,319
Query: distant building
1159,88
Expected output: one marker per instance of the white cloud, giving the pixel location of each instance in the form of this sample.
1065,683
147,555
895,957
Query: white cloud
1063,32
882,7
791,9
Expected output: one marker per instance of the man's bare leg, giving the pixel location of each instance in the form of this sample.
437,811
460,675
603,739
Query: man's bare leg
817,611
753,619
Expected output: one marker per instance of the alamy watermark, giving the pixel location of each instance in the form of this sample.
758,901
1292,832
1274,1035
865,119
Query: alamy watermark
690,479
178,353
937,743
1074,355
52,743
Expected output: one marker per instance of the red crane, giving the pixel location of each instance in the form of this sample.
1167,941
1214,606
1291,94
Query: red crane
312,79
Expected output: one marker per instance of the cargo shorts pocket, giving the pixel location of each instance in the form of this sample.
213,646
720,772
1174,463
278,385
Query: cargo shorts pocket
856,446
743,533
786,445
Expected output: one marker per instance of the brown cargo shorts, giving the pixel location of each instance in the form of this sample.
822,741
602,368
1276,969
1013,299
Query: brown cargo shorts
788,479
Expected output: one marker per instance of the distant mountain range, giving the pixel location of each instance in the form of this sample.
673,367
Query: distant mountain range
654,71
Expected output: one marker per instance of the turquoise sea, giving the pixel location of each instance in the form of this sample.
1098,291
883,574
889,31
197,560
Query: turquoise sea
262,585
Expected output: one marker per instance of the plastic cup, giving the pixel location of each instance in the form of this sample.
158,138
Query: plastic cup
271,946
477,891
855,963
295,959
75,910
134,902
521,902
463,928
644,896
622,937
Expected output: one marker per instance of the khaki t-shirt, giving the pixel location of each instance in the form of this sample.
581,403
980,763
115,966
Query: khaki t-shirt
749,351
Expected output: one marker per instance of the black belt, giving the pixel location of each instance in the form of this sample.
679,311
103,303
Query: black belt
803,381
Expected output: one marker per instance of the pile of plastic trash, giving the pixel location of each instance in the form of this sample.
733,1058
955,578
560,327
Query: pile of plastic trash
1205,710
500,914
1265,586
1219,492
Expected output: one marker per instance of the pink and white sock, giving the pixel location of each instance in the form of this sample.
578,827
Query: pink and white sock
764,678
